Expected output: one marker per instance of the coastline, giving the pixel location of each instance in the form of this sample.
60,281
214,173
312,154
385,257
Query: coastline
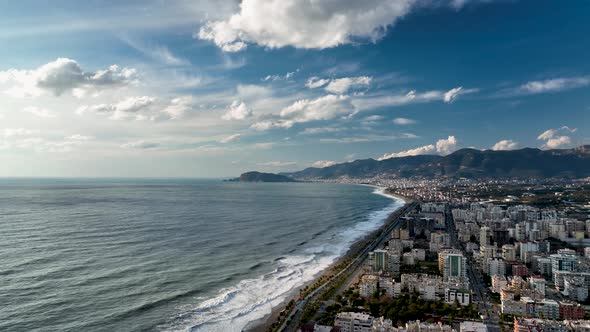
265,323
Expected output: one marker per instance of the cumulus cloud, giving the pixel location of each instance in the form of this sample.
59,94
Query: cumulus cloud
39,112
322,108
555,138
141,145
178,107
237,111
307,24
403,121
128,108
554,143
442,147
307,110
446,146
552,85
504,145
427,149
323,163
230,138
342,85
63,75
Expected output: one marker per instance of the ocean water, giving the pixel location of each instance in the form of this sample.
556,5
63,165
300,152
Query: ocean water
168,255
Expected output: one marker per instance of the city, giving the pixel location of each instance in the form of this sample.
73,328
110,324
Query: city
458,257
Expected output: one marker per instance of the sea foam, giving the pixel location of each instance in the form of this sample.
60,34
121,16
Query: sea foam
233,308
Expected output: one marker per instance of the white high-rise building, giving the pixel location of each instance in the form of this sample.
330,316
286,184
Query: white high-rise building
353,322
509,252
485,236
496,267
564,260
454,266
378,260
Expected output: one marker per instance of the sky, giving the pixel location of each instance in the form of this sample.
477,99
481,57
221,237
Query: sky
214,88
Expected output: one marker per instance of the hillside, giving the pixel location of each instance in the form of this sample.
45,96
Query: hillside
263,177
469,163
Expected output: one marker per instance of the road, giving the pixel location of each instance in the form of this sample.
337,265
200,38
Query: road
349,271
480,294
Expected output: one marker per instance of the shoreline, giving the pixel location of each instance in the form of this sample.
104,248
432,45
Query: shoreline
265,323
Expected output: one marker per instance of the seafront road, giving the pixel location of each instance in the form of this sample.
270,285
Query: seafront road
349,272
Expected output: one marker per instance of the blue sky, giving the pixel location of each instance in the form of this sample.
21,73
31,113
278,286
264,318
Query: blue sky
215,88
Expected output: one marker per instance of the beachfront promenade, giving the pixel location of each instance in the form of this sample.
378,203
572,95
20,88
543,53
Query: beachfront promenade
293,320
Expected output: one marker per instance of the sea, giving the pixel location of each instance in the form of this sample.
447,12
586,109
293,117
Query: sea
168,255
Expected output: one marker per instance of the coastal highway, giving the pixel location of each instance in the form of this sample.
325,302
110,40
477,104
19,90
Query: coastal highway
357,263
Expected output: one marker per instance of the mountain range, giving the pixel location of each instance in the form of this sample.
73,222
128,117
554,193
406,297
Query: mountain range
468,163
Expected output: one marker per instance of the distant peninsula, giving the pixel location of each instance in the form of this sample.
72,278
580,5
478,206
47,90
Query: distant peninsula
262,177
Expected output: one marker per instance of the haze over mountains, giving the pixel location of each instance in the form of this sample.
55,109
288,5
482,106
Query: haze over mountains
469,163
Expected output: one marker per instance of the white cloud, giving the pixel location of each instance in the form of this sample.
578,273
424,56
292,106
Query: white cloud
277,164
373,101
307,24
141,144
252,91
446,146
558,141
178,107
32,139
322,108
18,132
306,110
265,125
403,121
157,52
342,85
372,120
128,108
427,149
442,147
78,137
264,145
550,133
63,75
552,85
230,138
555,138
321,130
452,94
285,77
367,138
316,82
323,163
504,145
237,111
38,111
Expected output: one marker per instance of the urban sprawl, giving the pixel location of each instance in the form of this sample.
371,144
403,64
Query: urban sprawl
464,256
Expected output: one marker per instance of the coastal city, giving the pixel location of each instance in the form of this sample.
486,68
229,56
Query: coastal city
465,256
294,166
